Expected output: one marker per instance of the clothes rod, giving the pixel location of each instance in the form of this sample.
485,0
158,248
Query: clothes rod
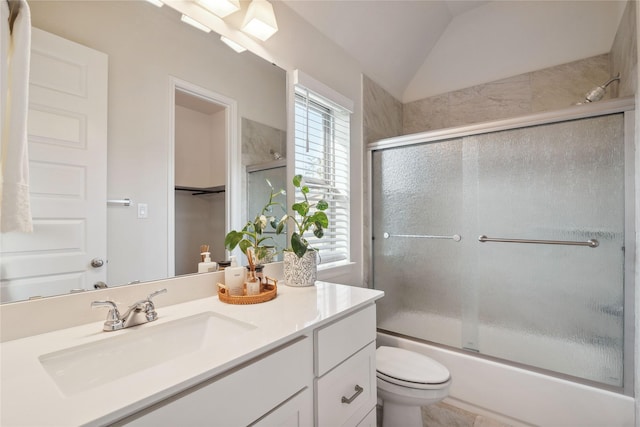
455,237
592,243
199,191
123,202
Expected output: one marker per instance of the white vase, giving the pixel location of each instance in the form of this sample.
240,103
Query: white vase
300,271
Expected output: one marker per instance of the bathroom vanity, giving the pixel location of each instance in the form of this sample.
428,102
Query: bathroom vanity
305,358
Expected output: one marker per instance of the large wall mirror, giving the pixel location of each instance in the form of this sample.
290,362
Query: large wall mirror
158,70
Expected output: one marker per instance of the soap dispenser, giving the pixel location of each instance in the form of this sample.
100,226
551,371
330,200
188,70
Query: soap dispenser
234,277
207,265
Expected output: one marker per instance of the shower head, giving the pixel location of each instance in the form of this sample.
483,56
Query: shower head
598,92
275,154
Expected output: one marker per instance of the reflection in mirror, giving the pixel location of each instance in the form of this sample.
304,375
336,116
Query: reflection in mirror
146,47
259,176
200,178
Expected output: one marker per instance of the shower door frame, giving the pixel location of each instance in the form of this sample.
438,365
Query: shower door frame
626,106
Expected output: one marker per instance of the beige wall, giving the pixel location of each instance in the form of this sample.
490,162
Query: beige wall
297,45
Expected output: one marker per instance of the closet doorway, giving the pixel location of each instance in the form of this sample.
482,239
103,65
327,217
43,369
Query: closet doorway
203,135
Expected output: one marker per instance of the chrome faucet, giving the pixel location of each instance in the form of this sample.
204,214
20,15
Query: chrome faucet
142,311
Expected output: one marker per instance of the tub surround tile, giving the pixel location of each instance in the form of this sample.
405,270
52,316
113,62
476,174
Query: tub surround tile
503,98
428,113
624,54
564,85
543,90
258,140
382,119
383,113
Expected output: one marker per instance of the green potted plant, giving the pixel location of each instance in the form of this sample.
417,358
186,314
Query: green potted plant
251,238
300,259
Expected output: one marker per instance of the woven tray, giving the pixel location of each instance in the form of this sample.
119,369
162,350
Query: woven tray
268,291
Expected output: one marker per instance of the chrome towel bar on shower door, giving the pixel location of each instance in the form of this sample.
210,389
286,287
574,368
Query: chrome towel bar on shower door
455,237
592,243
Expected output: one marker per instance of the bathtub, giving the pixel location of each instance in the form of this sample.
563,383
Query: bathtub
520,397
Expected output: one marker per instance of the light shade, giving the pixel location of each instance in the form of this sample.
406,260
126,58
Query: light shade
221,8
233,45
260,21
156,2
189,20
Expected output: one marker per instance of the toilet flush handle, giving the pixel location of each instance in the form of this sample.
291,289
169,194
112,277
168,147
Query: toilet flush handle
348,400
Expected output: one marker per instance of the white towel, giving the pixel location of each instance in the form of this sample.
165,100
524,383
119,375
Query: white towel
15,210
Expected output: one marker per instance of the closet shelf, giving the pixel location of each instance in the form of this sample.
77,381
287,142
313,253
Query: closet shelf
198,191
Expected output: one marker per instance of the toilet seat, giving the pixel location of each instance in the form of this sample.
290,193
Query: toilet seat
409,369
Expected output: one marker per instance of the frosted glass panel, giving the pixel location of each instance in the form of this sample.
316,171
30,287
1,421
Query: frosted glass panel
553,307
417,190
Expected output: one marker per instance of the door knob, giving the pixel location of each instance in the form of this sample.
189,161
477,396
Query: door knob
97,263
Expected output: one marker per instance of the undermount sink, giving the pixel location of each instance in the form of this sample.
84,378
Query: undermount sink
83,367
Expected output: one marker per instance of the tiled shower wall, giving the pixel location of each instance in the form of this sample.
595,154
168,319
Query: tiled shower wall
259,142
544,90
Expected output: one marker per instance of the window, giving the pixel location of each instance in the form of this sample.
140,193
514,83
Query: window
322,158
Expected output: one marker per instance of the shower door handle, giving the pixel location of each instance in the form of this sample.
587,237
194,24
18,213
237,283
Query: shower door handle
592,243
455,237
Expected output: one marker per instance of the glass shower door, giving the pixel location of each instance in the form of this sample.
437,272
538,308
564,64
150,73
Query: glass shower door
555,307
417,205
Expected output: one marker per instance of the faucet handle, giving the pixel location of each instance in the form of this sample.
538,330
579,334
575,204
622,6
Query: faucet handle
150,312
156,293
113,322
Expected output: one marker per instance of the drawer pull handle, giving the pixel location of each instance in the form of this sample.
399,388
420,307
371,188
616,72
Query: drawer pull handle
358,390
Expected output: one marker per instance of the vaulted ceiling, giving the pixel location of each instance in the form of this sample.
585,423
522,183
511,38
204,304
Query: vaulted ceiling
419,48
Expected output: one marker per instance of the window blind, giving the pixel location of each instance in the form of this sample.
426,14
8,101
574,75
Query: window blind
322,134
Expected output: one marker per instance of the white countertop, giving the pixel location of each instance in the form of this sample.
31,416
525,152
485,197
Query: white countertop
30,397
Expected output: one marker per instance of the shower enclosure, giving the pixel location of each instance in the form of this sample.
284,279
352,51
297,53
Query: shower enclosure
258,178
513,239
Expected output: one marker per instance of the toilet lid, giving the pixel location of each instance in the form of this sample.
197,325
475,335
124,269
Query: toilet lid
409,366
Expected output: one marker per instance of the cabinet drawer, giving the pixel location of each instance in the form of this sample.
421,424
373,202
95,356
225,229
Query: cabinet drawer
345,381
295,412
239,397
370,420
339,340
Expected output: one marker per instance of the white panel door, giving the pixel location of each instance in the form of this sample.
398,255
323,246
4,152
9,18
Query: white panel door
67,128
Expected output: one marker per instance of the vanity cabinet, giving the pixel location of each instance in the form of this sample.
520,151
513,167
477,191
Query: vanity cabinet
345,369
275,386
325,380
306,358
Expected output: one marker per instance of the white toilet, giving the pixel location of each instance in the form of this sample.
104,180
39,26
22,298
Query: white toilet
407,380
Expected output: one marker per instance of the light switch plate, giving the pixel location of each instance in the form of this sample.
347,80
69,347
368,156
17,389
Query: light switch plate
143,210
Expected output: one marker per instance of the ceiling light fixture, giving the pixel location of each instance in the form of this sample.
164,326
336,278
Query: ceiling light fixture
221,8
233,45
260,20
189,20
156,2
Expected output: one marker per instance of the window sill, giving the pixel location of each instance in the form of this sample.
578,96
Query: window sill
335,269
